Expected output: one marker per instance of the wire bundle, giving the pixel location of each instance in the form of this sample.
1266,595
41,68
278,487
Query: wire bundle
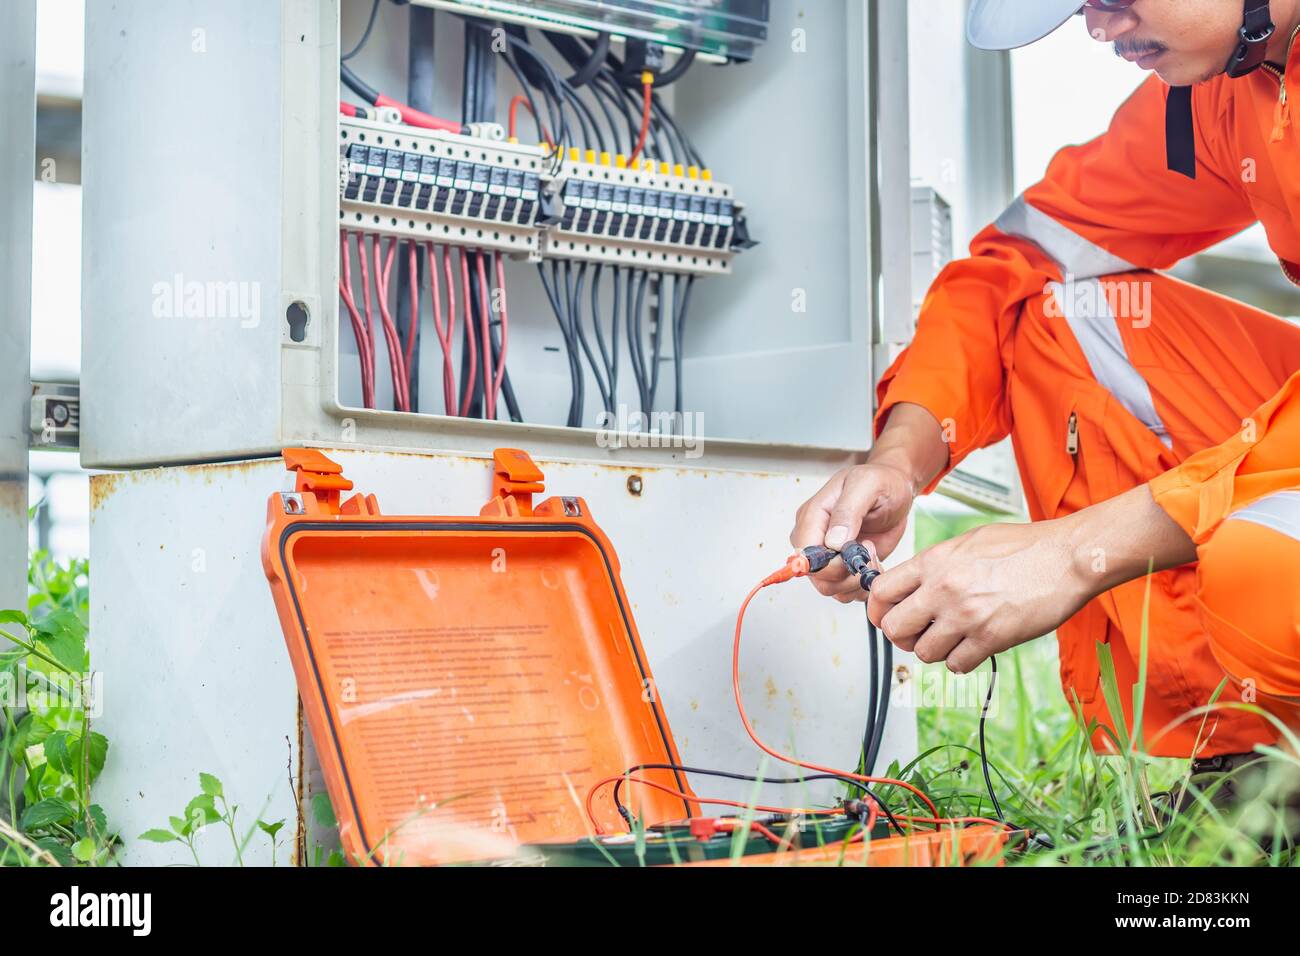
484,307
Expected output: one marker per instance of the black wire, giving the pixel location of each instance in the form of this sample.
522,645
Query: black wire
873,682
605,89
357,85
656,341
552,287
746,778
984,754
609,118
882,695
614,323
610,369
588,61
679,329
370,25
558,86
601,387
550,89
634,343
527,89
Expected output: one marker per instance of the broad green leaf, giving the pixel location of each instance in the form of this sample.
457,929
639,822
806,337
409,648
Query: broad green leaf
157,836
58,752
210,785
336,859
13,617
46,812
200,812
178,825
57,849
270,829
322,811
84,850
98,754
64,636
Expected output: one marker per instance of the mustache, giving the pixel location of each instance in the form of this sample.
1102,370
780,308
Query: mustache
1125,48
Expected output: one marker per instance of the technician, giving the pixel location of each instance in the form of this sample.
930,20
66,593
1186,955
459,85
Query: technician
1155,424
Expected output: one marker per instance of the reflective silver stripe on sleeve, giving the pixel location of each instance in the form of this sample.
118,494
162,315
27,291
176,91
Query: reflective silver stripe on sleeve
1281,512
1075,255
1087,309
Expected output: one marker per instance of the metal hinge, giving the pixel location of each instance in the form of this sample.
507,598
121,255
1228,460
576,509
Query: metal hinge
55,418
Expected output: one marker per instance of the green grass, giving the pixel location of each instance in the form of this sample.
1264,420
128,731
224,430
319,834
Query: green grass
1095,810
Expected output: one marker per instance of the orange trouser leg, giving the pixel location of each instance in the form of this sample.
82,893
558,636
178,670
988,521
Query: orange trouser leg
1110,385
1249,576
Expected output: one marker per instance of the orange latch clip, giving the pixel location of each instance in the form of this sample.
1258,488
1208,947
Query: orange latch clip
515,479
324,479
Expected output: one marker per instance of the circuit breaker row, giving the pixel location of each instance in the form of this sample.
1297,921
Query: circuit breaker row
671,220
485,193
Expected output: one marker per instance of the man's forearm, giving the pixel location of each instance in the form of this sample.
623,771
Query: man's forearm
1120,539
912,442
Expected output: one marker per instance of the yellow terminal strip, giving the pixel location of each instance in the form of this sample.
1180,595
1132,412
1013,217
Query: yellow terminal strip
665,169
620,161
693,172
591,157
604,159
575,156
679,170
707,175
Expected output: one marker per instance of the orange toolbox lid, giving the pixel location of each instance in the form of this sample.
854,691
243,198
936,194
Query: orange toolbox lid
465,679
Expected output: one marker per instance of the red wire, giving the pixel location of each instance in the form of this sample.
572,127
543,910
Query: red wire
358,330
382,274
645,124
414,117
517,102
413,325
500,265
485,319
732,825
469,337
445,333
347,109
370,323
749,728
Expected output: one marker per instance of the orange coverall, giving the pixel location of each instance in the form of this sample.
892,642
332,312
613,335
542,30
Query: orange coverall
1106,374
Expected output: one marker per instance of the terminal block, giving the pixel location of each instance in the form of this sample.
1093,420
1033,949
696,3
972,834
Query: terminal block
453,189
668,219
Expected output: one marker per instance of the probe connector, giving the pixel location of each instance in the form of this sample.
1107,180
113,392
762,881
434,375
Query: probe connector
801,564
859,561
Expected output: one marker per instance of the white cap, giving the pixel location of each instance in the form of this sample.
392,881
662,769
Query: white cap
1007,24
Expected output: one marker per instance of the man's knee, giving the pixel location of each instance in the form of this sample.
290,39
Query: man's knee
1249,591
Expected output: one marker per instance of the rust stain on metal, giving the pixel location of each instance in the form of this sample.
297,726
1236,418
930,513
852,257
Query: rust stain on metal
13,497
770,688
106,485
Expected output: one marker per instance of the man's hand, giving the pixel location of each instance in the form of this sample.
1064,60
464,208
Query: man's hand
980,594
865,503
869,503
1001,585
